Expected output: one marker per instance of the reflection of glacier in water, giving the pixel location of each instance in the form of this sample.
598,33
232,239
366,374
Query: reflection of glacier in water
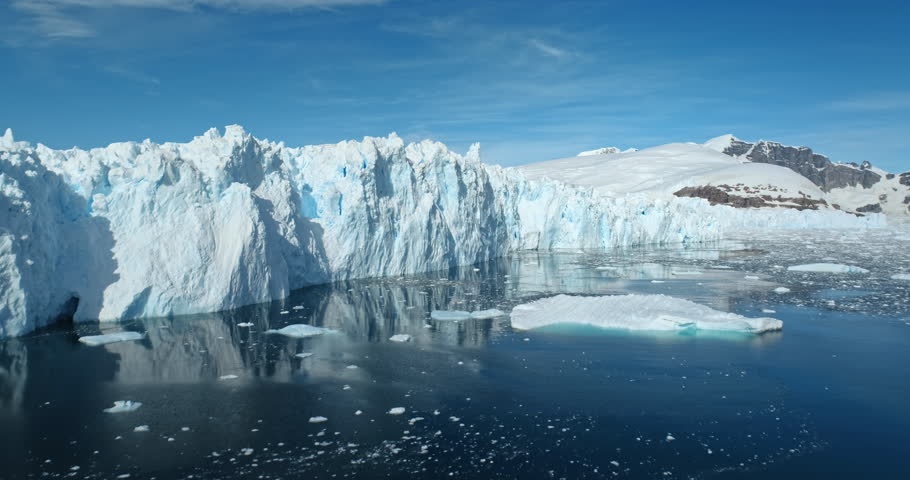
570,401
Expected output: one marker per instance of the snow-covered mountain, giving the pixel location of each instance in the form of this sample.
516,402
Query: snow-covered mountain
728,171
857,188
685,170
144,230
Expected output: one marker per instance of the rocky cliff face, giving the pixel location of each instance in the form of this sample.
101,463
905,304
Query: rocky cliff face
817,168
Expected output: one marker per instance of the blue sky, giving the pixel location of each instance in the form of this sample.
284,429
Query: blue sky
529,80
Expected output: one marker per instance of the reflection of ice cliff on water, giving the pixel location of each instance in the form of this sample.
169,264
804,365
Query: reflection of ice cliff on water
13,374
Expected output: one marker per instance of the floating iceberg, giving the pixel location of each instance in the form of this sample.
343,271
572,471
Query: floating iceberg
123,406
634,312
826,268
301,331
96,340
485,314
450,315
459,315
401,337
396,411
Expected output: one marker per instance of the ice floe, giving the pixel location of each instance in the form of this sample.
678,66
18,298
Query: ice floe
95,340
123,406
827,268
300,330
458,315
634,312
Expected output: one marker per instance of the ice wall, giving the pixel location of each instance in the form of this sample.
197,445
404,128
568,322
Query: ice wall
143,230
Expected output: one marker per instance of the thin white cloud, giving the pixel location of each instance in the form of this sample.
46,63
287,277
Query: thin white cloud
547,49
133,75
59,18
874,103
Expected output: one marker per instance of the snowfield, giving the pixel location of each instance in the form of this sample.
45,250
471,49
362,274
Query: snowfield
138,230
635,312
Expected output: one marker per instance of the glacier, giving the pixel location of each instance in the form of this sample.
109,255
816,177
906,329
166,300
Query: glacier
140,229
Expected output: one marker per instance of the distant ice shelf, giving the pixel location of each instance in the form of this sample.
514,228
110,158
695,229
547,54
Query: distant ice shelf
635,312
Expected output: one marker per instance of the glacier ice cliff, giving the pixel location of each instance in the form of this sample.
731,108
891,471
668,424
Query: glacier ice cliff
138,230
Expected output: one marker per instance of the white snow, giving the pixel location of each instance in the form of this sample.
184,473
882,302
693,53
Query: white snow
96,340
396,411
827,268
400,337
123,406
300,330
634,312
138,230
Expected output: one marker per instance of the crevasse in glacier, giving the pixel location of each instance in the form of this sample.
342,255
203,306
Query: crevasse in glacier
142,230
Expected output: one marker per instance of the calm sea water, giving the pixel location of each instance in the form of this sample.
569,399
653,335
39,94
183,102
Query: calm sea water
825,398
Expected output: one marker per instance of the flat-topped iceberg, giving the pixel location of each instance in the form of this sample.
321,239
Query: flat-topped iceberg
827,268
458,315
301,330
634,312
96,340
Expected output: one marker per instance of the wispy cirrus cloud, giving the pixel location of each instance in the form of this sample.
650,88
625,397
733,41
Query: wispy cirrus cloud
133,75
66,19
548,49
878,102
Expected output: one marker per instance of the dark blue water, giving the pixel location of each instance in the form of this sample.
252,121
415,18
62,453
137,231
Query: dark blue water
825,398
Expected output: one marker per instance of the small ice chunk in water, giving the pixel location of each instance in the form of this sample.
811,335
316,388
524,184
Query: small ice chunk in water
141,428
670,437
751,277
781,290
401,337
229,376
452,315
300,330
318,419
485,314
304,355
245,324
901,276
827,268
122,406
396,411
352,367
95,340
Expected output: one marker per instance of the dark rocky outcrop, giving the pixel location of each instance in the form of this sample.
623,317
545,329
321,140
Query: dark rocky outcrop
817,168
871,208
905,179
720,195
